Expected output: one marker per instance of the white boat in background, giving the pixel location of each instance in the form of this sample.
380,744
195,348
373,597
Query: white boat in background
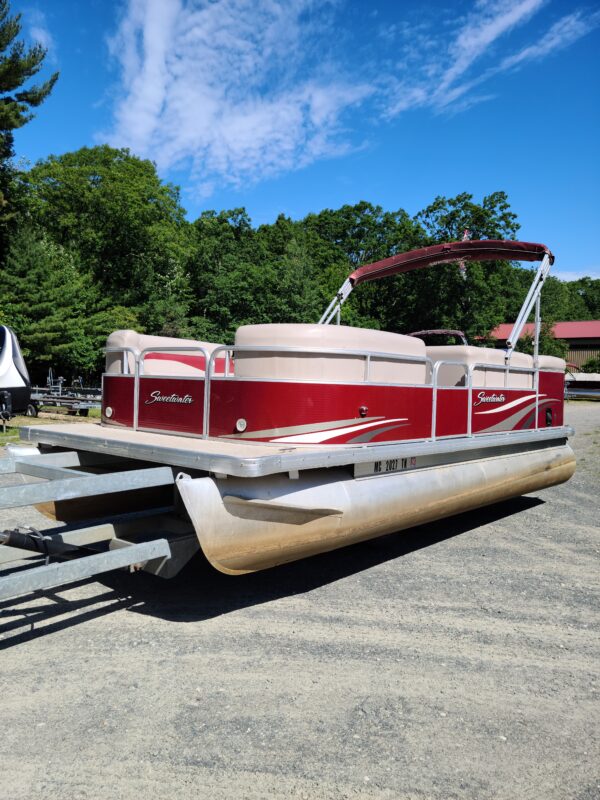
15,386
582,386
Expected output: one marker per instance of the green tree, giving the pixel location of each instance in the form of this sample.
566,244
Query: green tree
591,365
239,275
17,66
127,227
560,302
343,239
60,316
586,291
18,97
473,301
549,345
447,218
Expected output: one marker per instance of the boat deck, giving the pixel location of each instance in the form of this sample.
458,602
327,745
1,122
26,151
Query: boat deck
254,459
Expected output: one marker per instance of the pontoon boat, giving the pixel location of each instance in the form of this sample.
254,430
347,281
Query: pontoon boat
302,438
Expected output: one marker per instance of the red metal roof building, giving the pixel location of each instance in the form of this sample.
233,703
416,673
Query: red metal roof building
583,337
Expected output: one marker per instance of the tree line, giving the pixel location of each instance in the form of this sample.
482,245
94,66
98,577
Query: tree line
93,240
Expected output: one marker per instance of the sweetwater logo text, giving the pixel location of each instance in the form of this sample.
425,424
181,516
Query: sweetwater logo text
157,397
482,397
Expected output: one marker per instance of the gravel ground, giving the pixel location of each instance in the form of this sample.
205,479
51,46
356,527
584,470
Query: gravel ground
457,660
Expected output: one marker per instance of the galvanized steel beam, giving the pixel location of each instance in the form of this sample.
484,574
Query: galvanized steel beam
51,575
86,486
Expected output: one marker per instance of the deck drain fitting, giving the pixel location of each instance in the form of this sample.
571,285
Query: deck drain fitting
241,425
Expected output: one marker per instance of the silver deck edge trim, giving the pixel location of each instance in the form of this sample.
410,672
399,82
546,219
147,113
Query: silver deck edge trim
258,466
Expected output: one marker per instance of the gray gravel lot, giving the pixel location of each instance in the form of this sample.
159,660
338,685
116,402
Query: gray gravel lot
457,660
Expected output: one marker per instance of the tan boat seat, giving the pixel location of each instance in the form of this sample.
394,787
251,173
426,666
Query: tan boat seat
340,367
453,375
154,366
552,363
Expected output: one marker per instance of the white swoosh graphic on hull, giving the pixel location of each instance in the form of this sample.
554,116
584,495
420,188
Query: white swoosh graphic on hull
506,406
510,422
323,436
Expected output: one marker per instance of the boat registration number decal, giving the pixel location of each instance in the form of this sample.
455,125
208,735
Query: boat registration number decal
384,467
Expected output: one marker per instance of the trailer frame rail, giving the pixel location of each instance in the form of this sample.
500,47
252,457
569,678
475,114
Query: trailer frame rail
85,551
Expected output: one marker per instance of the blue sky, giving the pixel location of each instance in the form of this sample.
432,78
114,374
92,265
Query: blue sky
300,105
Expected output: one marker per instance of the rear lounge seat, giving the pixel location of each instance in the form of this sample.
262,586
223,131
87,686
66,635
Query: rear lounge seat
452,375
552,363
162,363
328,367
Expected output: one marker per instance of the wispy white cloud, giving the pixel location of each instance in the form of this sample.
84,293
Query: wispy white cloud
481,29
562,34
227,86
240,90
459,61
36,26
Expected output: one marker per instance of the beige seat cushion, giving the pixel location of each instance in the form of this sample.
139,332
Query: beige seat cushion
328,367
451,375
552,363
163,366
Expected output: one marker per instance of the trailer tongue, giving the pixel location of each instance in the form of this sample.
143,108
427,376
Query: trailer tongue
295,440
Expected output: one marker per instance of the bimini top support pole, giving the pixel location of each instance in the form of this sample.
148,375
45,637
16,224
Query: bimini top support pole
335,307
530,301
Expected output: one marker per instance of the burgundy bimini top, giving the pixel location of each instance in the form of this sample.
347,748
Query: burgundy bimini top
477,250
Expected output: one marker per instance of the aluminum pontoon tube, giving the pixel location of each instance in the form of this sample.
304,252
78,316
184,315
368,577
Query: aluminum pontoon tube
245,525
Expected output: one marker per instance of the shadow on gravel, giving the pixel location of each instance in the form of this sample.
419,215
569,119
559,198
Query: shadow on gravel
199,592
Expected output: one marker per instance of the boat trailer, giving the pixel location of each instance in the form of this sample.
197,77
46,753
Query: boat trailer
155,540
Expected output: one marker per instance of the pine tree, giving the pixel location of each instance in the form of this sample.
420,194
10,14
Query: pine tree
18,65
60,316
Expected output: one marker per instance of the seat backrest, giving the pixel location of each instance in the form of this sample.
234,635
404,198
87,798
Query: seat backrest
334,367
182,363
453,375
552,363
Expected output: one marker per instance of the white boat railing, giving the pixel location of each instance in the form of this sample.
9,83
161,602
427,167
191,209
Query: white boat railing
506,368
434,399
229,351
368,355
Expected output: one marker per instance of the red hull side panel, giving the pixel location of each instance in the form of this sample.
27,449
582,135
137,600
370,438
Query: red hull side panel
117,395
552,385
171,404
274,410
452,412
313,413
510,410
